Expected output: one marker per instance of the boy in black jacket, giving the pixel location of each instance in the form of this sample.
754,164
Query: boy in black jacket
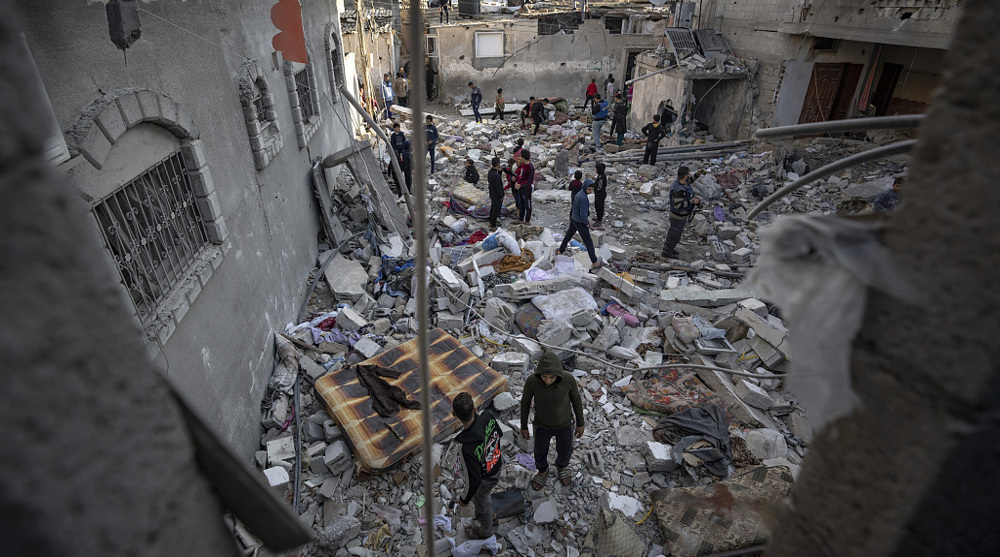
654,132
471,174
481,458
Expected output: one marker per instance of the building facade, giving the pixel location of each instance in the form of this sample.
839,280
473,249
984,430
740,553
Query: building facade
194,149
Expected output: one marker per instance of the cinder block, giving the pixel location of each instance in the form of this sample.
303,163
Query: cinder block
209,206
112,123
450,321
510,361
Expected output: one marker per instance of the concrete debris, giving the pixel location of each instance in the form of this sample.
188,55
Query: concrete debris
488,288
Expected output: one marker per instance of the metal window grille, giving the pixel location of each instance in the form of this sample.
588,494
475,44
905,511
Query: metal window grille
154,231
258,104
302,91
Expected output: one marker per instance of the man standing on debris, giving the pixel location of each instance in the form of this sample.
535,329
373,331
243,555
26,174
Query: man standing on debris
396,139
525,180
654,132
387,95
432,138
557,403
618,114
887,200
600,194
537,107
600,116
430,73
579,221
406,164
498,106
610,87
481,460
476,98
526,111
591,93
443,11
682,206
494,183
402,88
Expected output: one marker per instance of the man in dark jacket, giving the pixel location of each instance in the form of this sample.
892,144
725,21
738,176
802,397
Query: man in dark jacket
481,458
579,221
618,118
432,138
536,112
494,182
471,174
654,132
396,139
476,99
406,164
682,205
558,413
600,194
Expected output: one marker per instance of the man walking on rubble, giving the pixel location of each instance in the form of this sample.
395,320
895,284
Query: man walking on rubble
432,138
387,95
494,183
402,88
579,221
600,116
591,93
682,206
481,461
476,98
654,132
537,108
525,174
557,407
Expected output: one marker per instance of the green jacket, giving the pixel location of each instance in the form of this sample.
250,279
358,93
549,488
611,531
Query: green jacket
555,404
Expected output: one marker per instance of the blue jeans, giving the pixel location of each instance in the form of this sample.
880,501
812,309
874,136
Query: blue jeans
475,111
598,124
564,446
388,108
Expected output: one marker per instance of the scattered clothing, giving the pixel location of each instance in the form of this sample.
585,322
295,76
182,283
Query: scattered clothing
886,201
386,398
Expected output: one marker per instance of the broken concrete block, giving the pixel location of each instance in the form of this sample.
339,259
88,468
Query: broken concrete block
450,279
338,457
753,395
526,290
631,436
720,252
546,512
754,305
367,347
331,430
765,328
609,336
769,355
697,296
658,457
728,231
350,320
629,506
499,313
312,369
504,401
618,283
282,448
277,477
510,361
381,326
766,443
554,333
347,278
449,321
341,530
742,257
528,346
799,426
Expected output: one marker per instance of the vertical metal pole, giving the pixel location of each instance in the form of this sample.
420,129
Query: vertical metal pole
416,38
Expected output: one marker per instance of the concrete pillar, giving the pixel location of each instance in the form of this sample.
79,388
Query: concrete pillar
916,471
96,459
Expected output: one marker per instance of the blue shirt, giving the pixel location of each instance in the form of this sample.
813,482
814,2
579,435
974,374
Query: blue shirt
602,113
581,207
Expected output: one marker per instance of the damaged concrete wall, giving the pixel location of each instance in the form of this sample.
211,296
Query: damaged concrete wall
220,353
915,471
96,457
780,34
546,65
651,93
722,106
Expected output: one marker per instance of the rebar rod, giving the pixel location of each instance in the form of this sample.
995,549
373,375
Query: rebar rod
907,121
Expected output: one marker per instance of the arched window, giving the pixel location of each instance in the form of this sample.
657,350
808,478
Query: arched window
259,114
303,94
335,62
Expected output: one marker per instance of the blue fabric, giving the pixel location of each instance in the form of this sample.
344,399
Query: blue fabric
602,111
581,207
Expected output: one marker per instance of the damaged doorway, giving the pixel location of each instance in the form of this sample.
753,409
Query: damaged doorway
830,93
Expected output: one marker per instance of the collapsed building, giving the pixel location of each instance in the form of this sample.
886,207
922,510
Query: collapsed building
242,253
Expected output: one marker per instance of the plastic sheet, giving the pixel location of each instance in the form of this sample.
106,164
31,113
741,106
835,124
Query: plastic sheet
560,306
818,270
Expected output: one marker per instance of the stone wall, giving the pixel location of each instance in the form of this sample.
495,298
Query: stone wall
214,342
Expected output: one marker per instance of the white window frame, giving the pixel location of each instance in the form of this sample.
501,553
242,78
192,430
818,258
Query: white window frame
479,46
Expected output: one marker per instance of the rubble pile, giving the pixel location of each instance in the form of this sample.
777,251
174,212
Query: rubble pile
627,331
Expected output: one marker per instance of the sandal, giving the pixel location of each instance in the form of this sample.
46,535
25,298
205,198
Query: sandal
565,476
538,481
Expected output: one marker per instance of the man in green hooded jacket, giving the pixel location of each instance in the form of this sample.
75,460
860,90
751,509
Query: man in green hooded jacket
558,413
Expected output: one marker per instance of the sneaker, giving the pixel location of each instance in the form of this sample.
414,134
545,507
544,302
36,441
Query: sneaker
671,255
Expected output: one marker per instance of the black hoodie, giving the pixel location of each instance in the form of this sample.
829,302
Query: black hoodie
480,451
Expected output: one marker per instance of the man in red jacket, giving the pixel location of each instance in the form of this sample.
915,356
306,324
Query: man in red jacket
591,93
525,176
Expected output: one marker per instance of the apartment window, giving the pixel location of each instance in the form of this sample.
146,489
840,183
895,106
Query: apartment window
154,230
489,45
261,120
335,65
302,90
260,109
